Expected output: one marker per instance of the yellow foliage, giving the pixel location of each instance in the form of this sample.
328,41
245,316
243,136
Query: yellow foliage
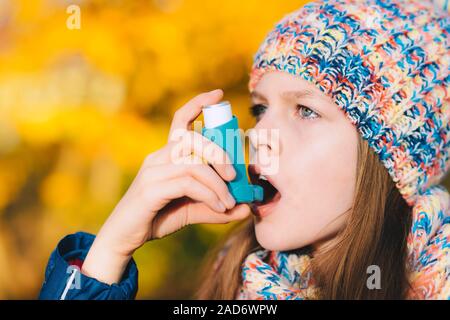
60,189
80,110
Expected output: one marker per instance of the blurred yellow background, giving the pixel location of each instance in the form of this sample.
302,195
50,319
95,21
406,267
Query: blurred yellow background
81,108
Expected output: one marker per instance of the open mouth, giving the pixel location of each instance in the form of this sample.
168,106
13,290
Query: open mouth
271,194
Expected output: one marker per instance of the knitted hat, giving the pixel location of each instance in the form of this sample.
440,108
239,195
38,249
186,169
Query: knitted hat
386,65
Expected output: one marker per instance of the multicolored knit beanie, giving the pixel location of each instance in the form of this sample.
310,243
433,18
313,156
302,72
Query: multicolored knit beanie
385,63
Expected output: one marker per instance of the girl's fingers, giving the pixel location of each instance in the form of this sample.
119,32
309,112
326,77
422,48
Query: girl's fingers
194,143
184,116
197,170
185,186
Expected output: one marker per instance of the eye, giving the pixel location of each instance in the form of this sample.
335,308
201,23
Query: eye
306,112
257,110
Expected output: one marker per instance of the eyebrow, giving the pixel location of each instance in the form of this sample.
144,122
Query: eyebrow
304,93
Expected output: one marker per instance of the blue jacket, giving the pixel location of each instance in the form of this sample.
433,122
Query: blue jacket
64,281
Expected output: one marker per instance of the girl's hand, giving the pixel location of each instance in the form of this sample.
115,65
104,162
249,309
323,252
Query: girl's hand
173,188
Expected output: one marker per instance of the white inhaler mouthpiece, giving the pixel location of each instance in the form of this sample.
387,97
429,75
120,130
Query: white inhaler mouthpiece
215,115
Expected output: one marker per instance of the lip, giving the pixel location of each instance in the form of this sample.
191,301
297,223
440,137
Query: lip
263,210
258,209
254,170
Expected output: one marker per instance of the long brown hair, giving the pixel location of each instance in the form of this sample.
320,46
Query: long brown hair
374,234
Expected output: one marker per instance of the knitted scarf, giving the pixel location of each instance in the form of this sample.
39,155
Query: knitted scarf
273,275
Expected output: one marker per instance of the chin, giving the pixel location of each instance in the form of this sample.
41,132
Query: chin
270,239
275,237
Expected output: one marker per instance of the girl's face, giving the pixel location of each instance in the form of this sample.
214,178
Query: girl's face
315,154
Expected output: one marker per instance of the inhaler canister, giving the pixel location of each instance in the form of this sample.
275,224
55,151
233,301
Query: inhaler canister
221,127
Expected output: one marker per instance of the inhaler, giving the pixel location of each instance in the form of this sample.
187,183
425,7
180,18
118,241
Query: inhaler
221,127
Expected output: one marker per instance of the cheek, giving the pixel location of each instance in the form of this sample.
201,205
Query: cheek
322,171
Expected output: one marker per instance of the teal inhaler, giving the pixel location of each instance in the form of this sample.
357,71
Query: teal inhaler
221,127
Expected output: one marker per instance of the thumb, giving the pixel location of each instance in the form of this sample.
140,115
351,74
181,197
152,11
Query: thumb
184,212
207,215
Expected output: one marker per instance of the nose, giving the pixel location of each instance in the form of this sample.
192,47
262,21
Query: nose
265,137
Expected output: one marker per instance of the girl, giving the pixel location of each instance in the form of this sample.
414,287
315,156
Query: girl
359,93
